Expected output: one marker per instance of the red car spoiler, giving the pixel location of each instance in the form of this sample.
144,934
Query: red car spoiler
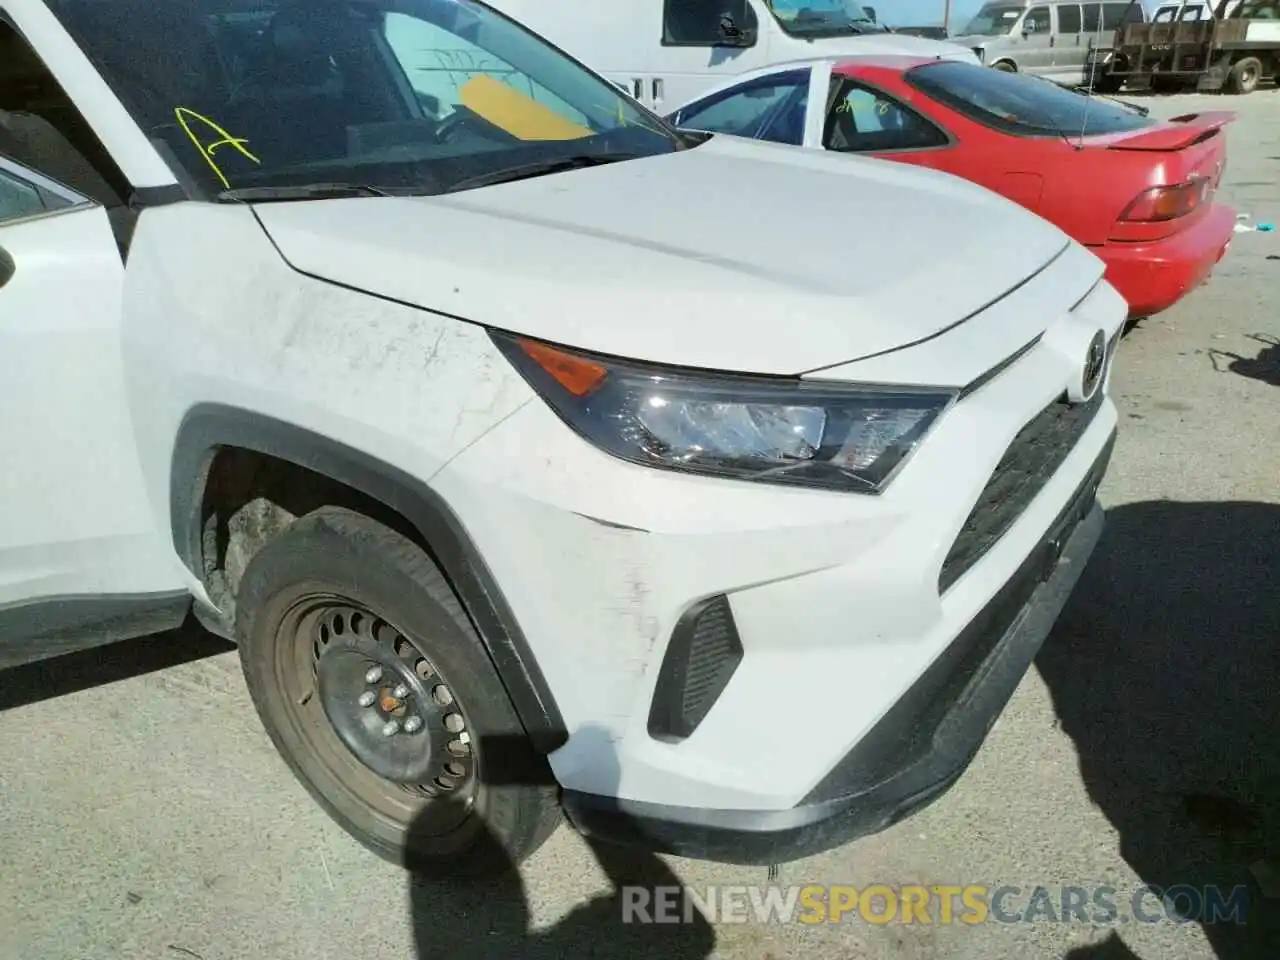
1177,134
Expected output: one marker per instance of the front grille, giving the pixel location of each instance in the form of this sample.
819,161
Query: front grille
1034,456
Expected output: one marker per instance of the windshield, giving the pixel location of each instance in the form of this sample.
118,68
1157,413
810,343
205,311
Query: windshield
822,18
402,96
993,20
1021,104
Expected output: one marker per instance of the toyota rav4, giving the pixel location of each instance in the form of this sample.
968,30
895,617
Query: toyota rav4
537,456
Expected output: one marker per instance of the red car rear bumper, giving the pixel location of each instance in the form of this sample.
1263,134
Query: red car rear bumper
1154,276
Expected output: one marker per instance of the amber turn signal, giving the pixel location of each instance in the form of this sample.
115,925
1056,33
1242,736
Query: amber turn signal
577,375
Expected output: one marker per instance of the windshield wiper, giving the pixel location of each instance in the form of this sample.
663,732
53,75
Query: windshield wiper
1090,92
302,191
529,170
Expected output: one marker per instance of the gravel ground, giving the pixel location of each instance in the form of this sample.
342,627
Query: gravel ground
149,817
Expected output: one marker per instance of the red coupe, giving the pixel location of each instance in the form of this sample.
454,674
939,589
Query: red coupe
1137,191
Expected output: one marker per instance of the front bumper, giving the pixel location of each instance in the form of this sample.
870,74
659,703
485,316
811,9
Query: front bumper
839,603
1154,276
928,737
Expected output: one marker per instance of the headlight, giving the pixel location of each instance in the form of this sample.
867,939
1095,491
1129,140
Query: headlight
768,429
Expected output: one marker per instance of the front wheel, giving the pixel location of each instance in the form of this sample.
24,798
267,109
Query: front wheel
380,697
1004,66
1245,75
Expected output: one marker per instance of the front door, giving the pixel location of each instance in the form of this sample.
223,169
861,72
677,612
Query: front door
82,552
74,517
1034,43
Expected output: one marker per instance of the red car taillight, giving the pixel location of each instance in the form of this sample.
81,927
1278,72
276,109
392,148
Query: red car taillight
1168,203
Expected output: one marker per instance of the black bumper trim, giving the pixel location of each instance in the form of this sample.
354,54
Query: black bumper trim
1009,631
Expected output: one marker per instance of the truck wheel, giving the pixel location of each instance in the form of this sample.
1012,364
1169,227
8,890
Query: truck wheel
1103,82
1004,66
380,697
1245,75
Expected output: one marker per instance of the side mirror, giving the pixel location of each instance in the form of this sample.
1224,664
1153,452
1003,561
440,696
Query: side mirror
7,267
733,35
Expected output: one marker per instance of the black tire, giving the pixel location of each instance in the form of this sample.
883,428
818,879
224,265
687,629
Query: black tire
1100,80
1004,66
1245,75
334,586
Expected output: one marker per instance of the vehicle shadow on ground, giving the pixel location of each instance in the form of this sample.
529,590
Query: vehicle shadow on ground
70,673
1165,671
1265,366
490,919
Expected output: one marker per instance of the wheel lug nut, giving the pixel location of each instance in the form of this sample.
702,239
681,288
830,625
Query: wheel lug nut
373,675
400,692
390,728
413,725
367,698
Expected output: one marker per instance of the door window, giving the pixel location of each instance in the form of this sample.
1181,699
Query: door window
1036,20
769,109
1133,13
17,198
1093,17
706,23
1069,20
865,120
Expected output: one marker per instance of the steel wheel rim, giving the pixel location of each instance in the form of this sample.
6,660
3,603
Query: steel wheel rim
320,639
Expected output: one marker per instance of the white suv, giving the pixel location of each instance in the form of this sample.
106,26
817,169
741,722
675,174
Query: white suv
536,455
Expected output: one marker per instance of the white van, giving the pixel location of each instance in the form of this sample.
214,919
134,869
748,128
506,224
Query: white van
1049,38
665,52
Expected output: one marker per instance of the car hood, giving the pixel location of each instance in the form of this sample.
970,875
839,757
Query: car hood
733,255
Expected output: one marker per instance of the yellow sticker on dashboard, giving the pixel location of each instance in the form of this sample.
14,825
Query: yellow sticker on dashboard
517,113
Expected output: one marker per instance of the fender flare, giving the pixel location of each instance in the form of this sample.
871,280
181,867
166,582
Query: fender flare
206,427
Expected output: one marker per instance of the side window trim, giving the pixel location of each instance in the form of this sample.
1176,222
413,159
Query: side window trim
845,83
53,198
44,184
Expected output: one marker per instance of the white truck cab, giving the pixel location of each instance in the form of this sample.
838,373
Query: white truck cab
538,456
666,52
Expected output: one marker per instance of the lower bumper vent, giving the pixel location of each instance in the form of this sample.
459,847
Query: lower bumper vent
704,652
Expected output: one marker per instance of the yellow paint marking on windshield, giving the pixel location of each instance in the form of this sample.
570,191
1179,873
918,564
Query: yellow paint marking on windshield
517,113
634,121
225,140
